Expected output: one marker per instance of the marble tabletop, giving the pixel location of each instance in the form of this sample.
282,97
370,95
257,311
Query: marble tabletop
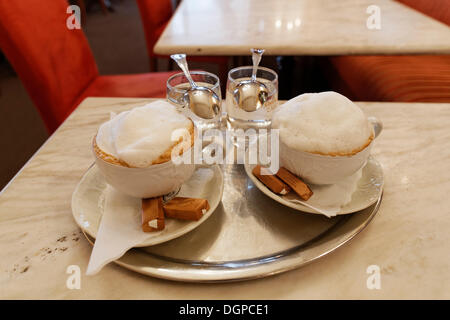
408,239
300,27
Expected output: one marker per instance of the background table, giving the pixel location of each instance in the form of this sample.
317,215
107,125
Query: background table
300,27
409,239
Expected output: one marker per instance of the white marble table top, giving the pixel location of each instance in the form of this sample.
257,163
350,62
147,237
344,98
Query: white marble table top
300,27
409,238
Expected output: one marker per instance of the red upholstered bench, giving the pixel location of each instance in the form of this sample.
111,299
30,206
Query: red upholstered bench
397,78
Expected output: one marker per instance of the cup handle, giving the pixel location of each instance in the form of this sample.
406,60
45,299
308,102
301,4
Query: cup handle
377,125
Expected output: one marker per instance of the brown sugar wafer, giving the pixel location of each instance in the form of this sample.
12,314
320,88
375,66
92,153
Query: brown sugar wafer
271,181
186,208
152,214
295,183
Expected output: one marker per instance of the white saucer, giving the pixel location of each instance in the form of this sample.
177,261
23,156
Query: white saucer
88,197
368,191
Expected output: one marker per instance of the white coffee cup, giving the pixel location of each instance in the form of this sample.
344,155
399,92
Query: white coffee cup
324,169
153,181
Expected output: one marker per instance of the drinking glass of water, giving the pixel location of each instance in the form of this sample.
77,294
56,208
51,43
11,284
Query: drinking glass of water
178,84
260,118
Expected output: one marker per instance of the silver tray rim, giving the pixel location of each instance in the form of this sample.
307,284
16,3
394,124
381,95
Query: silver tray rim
217,273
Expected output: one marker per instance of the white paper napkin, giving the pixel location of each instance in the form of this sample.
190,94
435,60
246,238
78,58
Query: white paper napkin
329,199
120,228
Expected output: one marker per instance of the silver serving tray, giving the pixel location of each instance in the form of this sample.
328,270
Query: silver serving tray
248,236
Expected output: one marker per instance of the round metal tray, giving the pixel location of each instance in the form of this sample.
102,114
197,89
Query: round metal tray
248,236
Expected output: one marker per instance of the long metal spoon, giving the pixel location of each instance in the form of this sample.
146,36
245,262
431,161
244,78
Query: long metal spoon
202,101
250,95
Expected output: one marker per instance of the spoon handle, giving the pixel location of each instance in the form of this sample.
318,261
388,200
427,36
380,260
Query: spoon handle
180,59
256,58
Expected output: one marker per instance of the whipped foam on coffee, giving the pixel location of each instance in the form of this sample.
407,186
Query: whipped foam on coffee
141,135
324,123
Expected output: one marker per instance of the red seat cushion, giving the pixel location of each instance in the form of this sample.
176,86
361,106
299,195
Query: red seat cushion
54,63
395,78
142,85
437,9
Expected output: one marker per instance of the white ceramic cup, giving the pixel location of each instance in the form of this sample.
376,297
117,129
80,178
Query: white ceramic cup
153,181
322,169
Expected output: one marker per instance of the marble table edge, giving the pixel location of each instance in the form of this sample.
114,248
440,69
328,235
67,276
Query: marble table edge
87,102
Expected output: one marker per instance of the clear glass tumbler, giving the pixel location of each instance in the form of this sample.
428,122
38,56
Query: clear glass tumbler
178,84
238,118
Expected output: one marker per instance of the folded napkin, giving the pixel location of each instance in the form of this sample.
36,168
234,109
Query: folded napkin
120,228
329,199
